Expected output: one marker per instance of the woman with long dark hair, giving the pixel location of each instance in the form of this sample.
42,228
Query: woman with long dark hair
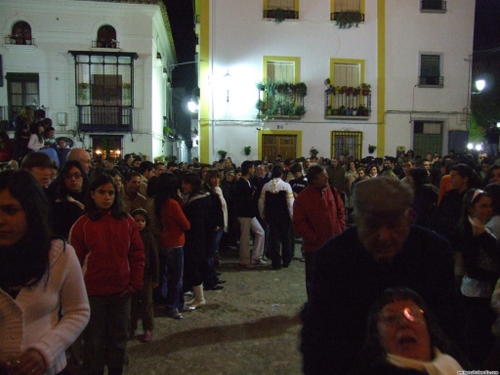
70,193
110,249
43,304
478,263
22,123
174,224
220,219
199,238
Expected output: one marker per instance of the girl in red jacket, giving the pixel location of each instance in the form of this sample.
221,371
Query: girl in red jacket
108,244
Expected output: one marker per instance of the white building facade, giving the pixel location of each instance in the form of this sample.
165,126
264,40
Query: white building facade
413,55
101,70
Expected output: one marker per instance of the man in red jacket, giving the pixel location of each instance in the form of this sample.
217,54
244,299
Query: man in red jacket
318,215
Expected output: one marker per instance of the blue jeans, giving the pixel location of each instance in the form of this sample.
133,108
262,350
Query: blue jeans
209,276
172,278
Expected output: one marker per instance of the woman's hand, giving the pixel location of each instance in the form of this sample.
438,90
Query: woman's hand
30,362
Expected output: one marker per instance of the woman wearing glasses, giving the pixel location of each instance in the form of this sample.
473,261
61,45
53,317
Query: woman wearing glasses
404,338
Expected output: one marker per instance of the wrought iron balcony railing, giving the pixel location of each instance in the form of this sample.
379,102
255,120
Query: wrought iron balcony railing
19,40
105,118
105,44
433,6
433,81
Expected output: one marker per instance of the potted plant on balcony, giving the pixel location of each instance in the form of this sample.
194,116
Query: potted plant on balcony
279,15
83,92
350,90
345,20
365,88
261,86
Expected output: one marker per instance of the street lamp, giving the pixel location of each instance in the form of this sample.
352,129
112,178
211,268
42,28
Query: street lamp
480,84
192,106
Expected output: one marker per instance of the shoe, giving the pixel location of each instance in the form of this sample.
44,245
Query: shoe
148,336
174,314
259,262
247,265
187,308
265,258
215,287
285,265
198,301
221,281
189,293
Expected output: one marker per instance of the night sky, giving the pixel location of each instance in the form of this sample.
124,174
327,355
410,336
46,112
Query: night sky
487,26
181,16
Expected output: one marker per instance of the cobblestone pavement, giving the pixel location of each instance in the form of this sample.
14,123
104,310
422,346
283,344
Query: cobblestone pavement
250,327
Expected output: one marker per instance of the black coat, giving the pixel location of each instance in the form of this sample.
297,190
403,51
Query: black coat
199,237
347,281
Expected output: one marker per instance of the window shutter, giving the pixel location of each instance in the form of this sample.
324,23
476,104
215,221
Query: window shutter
346,75
281,71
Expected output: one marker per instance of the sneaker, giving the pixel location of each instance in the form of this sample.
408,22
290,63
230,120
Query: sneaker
259,262
148,336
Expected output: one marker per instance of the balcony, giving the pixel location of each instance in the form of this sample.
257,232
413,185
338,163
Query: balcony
19,40
347,19
113,44
280,15
431,81
281,100
348,103
105,118
432,6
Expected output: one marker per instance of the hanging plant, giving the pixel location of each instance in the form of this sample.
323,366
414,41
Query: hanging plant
371,148
279,15
346,20
247,150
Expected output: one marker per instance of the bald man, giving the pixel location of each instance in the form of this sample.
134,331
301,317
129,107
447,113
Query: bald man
79,154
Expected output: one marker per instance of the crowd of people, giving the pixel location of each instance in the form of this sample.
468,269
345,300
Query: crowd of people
383,239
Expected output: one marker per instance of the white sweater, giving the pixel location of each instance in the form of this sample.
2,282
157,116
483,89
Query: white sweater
34,143
31,321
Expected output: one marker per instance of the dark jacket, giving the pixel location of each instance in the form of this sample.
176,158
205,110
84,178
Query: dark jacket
245,199
347,281
199,236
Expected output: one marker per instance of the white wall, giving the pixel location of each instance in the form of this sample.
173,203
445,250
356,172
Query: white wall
240,38
59,26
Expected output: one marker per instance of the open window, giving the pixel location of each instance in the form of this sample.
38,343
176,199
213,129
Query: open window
106,37
20,34
23,91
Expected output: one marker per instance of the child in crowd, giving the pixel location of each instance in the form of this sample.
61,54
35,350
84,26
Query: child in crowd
143,302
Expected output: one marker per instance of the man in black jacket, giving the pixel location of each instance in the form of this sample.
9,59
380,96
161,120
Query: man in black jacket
246,209
355,267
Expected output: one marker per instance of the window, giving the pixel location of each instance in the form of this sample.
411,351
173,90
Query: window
22,90
106,37
347,94
433,6
104,90
281,69
20,34
107,145
346,143
430,71
281,9
349,11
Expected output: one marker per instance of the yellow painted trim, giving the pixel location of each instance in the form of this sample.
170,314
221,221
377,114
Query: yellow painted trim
297,133
332,6
203,82
381,79
282,58
348,61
